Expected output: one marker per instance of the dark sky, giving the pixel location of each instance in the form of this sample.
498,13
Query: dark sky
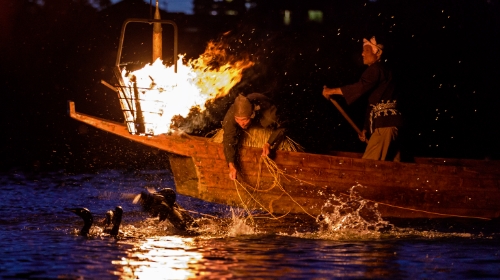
445,54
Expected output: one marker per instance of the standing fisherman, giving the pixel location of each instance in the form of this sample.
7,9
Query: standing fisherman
382,116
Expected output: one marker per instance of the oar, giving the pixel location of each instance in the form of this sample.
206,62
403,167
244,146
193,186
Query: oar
346,117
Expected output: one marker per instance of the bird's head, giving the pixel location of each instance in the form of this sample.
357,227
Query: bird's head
87,217
169,196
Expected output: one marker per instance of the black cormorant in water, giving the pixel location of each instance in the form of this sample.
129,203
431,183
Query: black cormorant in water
87,217
163,205
113,217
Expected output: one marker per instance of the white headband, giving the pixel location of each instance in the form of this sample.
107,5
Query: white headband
377,48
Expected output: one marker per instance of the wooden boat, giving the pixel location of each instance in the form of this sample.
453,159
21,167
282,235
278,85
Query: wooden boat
301,183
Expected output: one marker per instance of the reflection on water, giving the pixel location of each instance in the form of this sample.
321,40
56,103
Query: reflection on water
170,257
38,239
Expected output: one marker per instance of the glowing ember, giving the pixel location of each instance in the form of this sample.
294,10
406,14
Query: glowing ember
164,94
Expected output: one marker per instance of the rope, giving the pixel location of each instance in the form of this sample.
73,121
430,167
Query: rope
272,165
236,182
199,213
277,173
416,210
245,207
428,212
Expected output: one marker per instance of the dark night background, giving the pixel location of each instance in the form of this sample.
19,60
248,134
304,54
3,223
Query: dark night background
445,54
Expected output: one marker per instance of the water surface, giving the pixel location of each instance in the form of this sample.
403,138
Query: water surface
39,239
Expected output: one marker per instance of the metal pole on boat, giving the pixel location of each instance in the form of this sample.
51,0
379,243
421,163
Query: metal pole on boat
157,36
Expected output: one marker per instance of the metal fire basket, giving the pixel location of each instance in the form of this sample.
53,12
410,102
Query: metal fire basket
129,95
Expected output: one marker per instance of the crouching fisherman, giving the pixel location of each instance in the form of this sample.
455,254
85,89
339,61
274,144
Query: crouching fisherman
162,204
255,110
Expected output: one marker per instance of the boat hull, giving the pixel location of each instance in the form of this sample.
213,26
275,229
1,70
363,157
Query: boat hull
304,183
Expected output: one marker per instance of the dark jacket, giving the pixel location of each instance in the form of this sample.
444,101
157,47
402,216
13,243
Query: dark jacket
265,116
378,83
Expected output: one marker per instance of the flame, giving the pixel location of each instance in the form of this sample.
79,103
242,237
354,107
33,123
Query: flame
163,94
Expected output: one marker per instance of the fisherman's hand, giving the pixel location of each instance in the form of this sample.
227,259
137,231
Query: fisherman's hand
326,92
232,171
266,149
362,135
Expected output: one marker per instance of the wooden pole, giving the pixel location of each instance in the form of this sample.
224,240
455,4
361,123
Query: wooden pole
157,36
341,110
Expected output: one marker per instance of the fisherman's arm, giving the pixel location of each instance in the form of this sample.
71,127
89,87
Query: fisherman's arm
229,141
368,81
230,154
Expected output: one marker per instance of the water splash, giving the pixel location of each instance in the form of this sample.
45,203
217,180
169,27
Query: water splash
239,224
351,215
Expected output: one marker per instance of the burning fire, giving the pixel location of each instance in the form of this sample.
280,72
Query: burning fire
160,94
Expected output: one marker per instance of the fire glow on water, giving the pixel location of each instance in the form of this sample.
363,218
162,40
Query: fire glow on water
164,94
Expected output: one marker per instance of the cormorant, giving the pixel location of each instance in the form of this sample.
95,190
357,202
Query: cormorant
113,217
87,217
163,205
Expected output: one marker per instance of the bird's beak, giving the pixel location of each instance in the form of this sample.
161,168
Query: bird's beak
136,199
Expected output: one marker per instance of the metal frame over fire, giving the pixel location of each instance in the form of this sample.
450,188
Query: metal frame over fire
129,95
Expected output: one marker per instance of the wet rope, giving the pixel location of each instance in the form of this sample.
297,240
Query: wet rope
199,213
427,212
245,207
351,196
236,183
277,173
